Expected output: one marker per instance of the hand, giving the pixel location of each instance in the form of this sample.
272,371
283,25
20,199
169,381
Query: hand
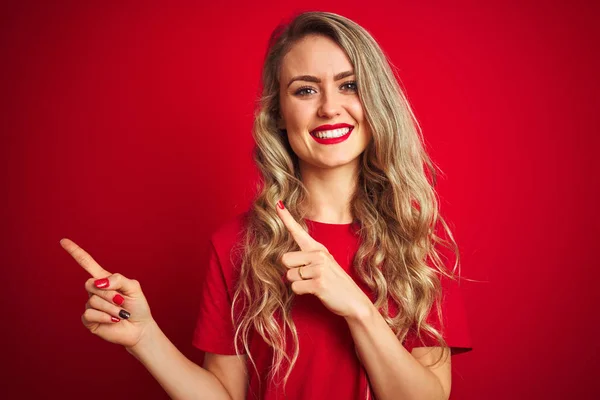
110,295
323,276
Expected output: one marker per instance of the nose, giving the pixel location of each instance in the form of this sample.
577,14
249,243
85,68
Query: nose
330,105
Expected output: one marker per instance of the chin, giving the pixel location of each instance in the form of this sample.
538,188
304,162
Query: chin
331,159
335,163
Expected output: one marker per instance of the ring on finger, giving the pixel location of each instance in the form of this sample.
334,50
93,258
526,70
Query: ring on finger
300,271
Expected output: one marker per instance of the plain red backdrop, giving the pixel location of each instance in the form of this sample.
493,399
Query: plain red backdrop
126,128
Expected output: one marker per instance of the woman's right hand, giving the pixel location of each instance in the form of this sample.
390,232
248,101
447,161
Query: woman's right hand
116,310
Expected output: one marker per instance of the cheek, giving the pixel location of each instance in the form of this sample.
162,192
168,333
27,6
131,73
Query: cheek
356,110
297,142
297,115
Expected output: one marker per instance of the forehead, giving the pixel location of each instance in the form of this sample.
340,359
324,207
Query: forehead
314,55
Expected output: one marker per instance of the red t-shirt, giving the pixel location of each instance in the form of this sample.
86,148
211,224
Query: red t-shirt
327,366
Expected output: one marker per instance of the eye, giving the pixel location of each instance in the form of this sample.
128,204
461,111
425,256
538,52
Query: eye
350,86
304,91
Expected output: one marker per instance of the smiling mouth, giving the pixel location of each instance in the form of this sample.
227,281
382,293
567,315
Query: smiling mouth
331,134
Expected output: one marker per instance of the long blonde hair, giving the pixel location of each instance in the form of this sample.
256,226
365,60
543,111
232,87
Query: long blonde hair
394,203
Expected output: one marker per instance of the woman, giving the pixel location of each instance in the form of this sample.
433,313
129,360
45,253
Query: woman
302,293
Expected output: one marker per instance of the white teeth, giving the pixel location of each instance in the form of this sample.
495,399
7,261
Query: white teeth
335,133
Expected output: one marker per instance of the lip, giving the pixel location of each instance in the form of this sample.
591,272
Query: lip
328,128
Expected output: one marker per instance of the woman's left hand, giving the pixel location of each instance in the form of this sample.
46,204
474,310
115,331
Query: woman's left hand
323,276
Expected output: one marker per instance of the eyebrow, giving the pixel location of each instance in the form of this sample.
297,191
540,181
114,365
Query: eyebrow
310,78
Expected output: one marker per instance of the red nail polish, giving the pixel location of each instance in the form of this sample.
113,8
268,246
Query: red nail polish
101,283
280,204
118,299
114,319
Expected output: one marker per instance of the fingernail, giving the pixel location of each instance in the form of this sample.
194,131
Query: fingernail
118,299
124,314
280,204
101,283
114,319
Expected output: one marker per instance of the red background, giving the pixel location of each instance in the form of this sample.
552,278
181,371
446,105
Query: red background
126,128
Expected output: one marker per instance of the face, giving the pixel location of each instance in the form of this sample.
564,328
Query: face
319,104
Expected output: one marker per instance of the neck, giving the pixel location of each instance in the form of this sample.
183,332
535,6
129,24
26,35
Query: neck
330,191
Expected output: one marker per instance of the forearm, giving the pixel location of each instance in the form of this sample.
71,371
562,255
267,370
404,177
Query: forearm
393,372
180,377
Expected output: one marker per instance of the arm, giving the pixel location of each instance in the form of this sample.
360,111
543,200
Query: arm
224,376
231,371
182,378
394,372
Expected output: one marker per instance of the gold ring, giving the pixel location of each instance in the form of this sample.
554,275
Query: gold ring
300,271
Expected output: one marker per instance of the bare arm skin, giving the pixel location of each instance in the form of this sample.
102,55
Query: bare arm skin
393,371
117,311
224,377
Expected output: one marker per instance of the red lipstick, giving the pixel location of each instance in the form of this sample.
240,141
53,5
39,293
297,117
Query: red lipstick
329,128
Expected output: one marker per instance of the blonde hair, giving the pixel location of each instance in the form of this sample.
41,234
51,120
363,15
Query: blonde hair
394,203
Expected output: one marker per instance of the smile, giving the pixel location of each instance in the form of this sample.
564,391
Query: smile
332,134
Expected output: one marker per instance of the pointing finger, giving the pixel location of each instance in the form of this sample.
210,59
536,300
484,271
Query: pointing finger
304,240
84,259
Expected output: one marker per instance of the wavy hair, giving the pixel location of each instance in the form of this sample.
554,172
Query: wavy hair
394,203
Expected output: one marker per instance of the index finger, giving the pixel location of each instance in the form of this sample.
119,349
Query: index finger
304,240
84,259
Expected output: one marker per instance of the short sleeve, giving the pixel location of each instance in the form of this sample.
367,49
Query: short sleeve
214,330
454,330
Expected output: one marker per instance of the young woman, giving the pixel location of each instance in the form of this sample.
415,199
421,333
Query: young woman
332,285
